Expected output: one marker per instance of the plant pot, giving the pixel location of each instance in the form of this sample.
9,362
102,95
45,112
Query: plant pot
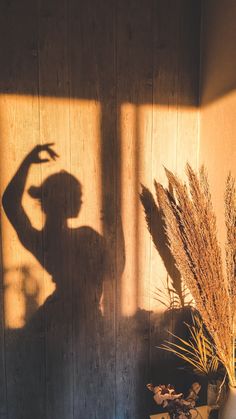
212,393
228,409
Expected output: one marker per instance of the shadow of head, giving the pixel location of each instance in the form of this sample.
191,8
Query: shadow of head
60,195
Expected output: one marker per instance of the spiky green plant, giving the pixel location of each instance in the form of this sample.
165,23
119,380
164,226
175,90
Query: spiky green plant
198,351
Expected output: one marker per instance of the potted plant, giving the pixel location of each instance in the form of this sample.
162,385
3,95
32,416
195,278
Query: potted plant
190,224
199,352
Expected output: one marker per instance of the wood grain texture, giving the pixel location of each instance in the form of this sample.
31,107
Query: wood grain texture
20,128
95,154
175,139
56,198
114,86
3,382
217,94
134,85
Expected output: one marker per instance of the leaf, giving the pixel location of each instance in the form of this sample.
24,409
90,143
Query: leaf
198,351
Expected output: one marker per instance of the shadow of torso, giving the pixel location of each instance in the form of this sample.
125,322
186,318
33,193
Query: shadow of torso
64,354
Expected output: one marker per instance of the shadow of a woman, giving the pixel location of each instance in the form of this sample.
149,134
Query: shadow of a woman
64,348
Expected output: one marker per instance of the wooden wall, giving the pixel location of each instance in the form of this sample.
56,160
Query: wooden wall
218,99
114,84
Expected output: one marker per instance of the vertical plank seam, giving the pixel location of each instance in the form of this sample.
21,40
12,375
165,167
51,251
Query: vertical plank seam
136,190
152,172
118,139
43,236
4,329
201,29
177,87
69,73
178,99
136,174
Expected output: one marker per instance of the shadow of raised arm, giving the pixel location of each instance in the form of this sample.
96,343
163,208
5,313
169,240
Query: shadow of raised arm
12,197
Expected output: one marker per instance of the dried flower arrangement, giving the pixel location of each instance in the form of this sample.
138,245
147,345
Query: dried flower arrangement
174,403
192,234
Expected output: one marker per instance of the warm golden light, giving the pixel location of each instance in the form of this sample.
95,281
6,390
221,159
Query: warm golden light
85,121
165,137
217,149
151,137
129,207
74,127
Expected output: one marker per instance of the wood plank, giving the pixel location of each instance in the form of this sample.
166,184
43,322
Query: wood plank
18,45
134,87
57,195
165,118
19,133
3,396
93,125
24,347
174,78
188,86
